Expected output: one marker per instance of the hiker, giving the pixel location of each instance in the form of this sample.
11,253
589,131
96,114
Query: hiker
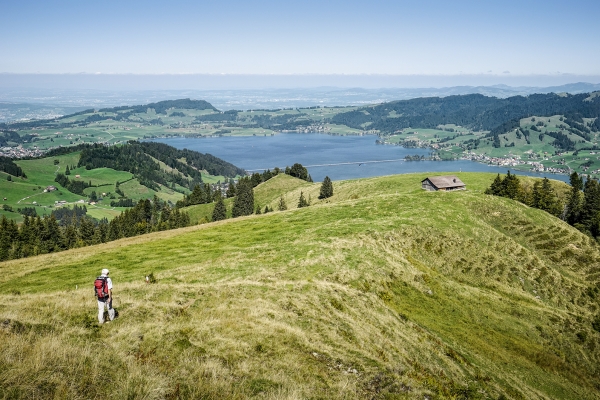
103,289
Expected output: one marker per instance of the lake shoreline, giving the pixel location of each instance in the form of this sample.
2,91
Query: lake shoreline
338,156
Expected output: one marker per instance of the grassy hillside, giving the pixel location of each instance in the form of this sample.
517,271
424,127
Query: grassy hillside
30,192
382,291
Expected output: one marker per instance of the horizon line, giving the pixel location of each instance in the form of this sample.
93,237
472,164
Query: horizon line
363,74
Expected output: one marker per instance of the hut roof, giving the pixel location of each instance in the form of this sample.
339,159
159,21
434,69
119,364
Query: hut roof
445,181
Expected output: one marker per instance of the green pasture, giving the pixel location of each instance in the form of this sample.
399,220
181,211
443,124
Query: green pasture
104,210
430,135
423,294
342,130
43,170
15,216
21,193
100,176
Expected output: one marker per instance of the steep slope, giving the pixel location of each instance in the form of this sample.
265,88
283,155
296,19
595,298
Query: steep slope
383,291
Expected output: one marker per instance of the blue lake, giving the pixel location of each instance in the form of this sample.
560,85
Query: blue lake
339,157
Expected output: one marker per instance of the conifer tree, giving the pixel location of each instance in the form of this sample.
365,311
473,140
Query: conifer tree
103,228
86,230
196,197
575,200
219,212
512,186
208,196
496,187
544,197
256,179
231,190
70,236
282,206
243,203
302,201
96,237
51,235
5,240
591,203
67,171
326,189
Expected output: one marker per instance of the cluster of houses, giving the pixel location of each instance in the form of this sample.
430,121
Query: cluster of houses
514,161
20,152
310,129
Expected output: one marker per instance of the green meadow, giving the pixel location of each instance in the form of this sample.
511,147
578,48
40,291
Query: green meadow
381,291
29,192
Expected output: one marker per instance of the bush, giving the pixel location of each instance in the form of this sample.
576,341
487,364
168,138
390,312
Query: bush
596,324
150,278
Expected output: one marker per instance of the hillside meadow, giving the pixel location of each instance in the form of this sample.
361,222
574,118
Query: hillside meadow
381,291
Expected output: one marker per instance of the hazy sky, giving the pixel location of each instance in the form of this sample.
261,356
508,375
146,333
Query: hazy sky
301,37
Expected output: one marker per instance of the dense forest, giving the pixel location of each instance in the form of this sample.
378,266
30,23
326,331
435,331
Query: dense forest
65,229
139,158
73,186
7,165
161,107
193,159
226,116
281,122
8,137
265,121
473,111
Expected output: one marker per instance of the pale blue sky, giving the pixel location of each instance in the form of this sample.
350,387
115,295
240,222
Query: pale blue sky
302,37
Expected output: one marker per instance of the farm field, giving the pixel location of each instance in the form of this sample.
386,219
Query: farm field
40,191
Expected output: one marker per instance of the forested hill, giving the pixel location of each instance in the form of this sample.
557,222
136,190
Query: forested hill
141,159
122,113
475,111
161,107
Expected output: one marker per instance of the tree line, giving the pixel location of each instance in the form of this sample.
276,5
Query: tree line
244,197
8,165
581,208
66,229
9,137
139,158
161,107
474,111
73,186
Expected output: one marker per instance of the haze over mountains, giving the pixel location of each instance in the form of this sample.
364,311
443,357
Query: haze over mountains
34,103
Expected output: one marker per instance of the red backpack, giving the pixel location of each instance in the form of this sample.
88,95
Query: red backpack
101,287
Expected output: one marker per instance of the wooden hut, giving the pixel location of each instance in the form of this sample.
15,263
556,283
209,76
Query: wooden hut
445,183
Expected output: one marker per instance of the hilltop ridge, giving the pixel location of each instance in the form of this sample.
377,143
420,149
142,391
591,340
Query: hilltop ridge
381,291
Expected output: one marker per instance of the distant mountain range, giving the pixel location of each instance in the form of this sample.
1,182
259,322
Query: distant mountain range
501,91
